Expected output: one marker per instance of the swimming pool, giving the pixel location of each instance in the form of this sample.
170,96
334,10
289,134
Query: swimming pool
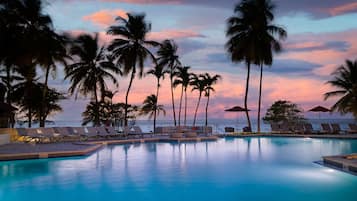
230,169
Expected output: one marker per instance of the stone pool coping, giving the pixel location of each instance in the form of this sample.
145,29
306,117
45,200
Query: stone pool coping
342,162
331,136
87,147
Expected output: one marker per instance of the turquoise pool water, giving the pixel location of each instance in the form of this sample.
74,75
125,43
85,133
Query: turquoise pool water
230,169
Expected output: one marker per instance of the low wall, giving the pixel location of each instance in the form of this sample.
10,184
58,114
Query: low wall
4,139
12,132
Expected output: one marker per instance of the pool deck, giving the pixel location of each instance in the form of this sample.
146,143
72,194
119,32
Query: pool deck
347,163
23,151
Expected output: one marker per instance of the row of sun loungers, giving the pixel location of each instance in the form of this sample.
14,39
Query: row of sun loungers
66,133
306,128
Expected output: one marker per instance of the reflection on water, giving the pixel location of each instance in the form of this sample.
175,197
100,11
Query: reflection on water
153,167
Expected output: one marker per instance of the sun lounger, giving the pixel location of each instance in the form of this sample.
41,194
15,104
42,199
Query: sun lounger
102,132
176,135
133,131
228,129
67,133
91,132
275,128
299,128
353,128
336,129
309,129
285,128
48,134
325,129
111,131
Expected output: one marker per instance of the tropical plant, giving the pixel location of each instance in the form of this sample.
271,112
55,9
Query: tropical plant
183,78
198,84
159,72
130,49
167,56
49,104
209,82
345,82
88,74
151,108
284,111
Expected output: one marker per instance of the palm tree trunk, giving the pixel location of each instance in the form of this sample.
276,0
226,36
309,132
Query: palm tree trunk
42,115
96,120
246,97
198,104
260,95
173,100
127,96
184,122
9,91
157,100
207,110
179,117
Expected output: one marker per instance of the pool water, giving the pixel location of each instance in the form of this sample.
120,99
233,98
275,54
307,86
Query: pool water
230,169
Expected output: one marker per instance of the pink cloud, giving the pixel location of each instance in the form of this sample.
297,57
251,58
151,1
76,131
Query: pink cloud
104,18
146,1
174,34
327,57
345,8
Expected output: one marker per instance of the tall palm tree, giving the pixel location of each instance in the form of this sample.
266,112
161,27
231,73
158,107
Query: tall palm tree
345,80
198,84
269,38
159,72
54,52
242,41
91,69
151,108
209,82
183,78
23,92
167,55
130,49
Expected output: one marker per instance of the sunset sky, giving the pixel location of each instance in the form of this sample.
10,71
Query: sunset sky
321,36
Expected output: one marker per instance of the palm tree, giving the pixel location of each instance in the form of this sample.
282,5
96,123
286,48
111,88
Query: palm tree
241,44
159,73
209,82
183,78
269,38
23,92
167,55
345,80
50,105
130,49
197,83
151,108
54,51
89,72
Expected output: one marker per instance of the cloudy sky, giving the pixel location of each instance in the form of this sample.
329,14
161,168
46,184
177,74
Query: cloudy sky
321,36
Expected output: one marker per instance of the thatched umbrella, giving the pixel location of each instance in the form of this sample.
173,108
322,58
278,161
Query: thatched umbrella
236,109
319,109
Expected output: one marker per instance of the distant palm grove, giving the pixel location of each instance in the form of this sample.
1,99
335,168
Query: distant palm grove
32,51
